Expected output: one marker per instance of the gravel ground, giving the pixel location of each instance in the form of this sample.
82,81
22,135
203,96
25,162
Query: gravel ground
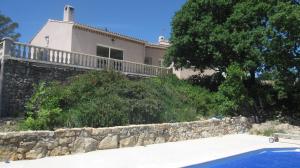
270,127
9,124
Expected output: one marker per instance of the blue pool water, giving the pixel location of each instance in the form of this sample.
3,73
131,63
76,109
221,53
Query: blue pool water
263,158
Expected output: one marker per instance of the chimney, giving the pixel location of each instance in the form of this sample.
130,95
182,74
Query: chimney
68,13
163,41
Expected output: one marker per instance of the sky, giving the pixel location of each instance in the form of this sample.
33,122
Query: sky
143,19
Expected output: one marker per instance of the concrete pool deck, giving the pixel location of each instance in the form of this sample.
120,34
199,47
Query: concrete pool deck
174,154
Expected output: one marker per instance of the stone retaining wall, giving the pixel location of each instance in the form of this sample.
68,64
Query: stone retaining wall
18,77
38,144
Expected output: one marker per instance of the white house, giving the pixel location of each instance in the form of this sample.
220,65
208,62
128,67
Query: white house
70,36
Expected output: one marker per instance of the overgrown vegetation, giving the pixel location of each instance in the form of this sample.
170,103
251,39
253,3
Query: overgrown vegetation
102,98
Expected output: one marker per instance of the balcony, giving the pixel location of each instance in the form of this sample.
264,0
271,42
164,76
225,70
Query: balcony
26,52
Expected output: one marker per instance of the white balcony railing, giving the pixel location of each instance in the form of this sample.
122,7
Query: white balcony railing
28,52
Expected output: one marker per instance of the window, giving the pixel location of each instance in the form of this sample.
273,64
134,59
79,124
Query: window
148,60
116,54
102,51
109,52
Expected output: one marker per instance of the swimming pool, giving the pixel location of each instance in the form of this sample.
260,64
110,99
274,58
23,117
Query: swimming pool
263,158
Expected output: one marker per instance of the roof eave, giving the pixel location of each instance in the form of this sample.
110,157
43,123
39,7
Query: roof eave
77,25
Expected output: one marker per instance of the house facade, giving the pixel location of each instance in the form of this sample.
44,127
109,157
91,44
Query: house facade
67,35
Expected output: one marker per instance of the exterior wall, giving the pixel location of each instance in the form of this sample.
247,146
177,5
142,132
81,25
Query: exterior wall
86,42
1,84
38,144
156,54
19,78
184,73
60,35
66,36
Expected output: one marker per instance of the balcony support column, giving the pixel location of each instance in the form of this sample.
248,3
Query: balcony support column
7,51
7,46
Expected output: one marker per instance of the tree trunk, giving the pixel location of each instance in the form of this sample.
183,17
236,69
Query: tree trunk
252,77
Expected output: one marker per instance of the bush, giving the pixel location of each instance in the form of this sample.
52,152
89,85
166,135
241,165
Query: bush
105,98
232,95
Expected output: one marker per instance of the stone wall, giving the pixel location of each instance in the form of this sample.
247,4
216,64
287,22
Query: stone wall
38,144
18,78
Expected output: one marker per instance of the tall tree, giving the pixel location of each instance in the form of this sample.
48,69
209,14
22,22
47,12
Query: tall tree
260,36
7,27
214,34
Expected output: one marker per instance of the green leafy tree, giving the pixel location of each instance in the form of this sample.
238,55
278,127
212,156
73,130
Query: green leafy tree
214,34
7,27
261,36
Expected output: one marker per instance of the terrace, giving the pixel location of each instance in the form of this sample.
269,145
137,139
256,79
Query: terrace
26,52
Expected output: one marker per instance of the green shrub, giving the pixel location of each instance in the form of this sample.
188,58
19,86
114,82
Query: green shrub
106,98
232,95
